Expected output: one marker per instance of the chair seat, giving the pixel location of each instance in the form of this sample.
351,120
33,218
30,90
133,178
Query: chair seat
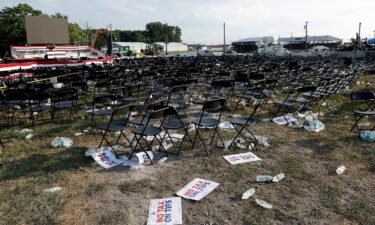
64,105
206,122
365,112
242,121
301,100
101,112
140,121
40,108
113,127
174,124
130,99
288,102
149,131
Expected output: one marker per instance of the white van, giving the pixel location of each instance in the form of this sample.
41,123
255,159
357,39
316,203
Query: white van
205,51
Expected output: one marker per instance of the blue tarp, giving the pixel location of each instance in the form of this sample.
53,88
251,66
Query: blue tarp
371,41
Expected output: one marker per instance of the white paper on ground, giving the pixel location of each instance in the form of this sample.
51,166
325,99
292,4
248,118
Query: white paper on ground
106,158
197,189
165,211
241,158
282,120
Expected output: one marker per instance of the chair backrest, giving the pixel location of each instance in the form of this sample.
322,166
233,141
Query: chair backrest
214,105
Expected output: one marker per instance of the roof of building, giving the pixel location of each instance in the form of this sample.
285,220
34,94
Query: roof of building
266,39
128,43
310,38
174,44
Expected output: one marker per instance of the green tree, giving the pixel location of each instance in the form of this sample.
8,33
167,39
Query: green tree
12,25
77,34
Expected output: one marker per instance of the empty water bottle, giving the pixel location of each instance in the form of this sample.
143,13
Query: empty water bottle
340,170
247,194
53,190
264,178
278,177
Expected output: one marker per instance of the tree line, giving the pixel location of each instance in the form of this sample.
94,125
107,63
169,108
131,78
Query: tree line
12,30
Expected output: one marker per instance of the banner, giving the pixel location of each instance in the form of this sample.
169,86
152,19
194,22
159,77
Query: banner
241,158
165,211
197,189
106,158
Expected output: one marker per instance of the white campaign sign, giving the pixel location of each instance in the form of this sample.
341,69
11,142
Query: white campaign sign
197,189
281,120
106,158
241,158
165,211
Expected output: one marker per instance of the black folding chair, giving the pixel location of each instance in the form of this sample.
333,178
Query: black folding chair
175,124
241,124
101,106
217,105
363,104
117,123
141,132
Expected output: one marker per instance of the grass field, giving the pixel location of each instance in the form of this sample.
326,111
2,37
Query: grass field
311,193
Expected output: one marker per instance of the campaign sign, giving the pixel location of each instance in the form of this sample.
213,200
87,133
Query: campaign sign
282,120
106,158
197,189
165,211
241,158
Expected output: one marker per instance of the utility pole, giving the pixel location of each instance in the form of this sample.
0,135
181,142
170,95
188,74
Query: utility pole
374,33
291,39
224,47
110,29
166,41
306,27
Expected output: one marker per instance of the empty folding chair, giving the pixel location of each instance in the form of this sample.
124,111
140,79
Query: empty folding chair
175,124
212,106
363,104
117,123
148,130
241,124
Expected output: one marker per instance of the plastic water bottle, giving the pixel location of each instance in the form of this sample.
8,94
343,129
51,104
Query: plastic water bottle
263,203
29,136
53,190
340,170
247,194
162,160
278,177
264,178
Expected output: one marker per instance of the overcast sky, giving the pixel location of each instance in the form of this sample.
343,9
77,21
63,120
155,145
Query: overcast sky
201,21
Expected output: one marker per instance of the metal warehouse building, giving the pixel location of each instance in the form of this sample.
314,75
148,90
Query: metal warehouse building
299,43
252,44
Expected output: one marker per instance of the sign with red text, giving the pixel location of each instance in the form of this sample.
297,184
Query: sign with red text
241,158
197,189
106,158
165,211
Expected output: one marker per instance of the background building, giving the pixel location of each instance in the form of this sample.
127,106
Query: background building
252,44
171,47
299,43
119,47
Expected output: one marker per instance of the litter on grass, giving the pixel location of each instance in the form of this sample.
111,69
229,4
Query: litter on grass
278,177
165,211
197,189
282,120
29,136
367,135
247,194
263,204
61,142
340,170
241,158
264,178
315,126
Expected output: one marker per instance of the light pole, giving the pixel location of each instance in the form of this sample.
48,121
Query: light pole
306,27
166,41
291,40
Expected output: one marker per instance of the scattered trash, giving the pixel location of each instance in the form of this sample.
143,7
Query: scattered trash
162,160
78,134
165,211
324,103
177,137
340,169
282,120
263,203
278,177
300,115
90,151
296,124
29,136
25,131
266,120
264,178
53,190
367,135
61,142
262,141
314,126
247,194
124,157
136,167
234,116
197,189
142,157
86,131
105,157
226,125
226,144
241,158
308,118
165,145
